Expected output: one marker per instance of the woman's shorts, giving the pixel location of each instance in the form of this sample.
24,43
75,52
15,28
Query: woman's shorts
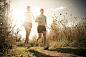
40,29
28,24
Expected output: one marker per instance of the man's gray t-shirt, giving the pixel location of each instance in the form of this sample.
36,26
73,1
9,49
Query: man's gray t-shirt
41,17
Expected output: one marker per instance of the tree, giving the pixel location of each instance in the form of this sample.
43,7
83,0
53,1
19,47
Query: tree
4,32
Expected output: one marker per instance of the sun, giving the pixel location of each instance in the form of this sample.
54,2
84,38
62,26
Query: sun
19,16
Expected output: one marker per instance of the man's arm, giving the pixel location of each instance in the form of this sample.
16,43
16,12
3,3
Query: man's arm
39,20
45,22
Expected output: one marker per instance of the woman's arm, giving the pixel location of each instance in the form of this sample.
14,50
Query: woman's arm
32,15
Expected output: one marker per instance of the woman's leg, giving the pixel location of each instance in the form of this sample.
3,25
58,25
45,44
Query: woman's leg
26,29
28,33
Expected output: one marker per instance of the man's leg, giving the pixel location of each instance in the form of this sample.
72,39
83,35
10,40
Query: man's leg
44,35
39,35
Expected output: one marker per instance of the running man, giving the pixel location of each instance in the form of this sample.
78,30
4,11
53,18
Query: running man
41,19
28,25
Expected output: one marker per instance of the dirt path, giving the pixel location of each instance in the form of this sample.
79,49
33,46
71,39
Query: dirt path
38,52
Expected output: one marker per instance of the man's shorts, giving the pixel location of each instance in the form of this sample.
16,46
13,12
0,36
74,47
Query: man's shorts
28,24
41,28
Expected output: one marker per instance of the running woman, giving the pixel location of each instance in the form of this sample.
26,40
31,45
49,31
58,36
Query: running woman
28,25
41,19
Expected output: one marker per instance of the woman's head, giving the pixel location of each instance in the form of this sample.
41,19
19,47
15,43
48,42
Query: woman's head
28,7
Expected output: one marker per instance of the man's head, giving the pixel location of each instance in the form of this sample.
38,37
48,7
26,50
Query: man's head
28,7
41,11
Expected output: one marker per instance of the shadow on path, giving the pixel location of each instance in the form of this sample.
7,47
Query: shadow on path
20,45
38,54
80,52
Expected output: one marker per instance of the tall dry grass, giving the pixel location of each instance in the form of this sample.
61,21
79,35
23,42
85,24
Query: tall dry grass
61,35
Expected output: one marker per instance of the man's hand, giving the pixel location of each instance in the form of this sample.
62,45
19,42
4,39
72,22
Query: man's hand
39,20
45,22
42,19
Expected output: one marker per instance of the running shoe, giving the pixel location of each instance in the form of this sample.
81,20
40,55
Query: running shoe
46,47
28,46
37,41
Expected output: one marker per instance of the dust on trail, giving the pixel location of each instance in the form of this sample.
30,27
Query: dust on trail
36,52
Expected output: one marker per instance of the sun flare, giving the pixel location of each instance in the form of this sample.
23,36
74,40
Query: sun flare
20,18
19,14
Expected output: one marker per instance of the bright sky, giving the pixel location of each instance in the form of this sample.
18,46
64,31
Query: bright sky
51,7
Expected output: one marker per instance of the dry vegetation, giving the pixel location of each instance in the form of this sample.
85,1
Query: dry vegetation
61,35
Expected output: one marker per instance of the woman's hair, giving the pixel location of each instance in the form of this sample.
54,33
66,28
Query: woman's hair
28,7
